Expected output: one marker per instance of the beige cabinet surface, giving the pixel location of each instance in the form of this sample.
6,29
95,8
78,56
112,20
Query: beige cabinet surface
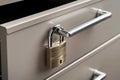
23,41
5,2
104,58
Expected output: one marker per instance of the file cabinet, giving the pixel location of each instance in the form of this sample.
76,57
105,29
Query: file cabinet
23,40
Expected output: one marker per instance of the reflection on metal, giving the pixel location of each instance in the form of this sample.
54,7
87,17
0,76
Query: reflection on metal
98,75
101,15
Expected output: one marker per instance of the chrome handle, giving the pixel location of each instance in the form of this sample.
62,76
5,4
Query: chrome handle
98,75
100,16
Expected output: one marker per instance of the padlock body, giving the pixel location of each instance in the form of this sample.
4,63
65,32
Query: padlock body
56,55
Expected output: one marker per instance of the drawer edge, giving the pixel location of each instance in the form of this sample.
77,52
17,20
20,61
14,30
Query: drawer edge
28,21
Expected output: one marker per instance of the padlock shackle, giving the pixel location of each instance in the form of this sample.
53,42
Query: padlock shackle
51,32
50,38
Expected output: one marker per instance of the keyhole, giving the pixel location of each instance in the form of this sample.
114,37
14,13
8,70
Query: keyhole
61,61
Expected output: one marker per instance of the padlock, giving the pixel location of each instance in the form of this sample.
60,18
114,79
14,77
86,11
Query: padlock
56,51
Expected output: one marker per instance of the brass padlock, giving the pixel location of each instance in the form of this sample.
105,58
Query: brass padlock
56,51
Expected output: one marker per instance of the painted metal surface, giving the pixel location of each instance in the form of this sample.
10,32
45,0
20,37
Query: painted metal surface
99,58
23,41
5,2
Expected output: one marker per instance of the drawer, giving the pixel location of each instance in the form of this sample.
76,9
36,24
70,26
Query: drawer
23,41
104,58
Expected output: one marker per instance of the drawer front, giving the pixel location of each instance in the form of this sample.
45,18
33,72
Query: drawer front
104,58
25,48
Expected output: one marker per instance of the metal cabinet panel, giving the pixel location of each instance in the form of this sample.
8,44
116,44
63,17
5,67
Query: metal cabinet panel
23,41
4,2
104,58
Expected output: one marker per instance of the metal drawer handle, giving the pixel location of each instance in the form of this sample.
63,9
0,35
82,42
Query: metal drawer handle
101,15
98,75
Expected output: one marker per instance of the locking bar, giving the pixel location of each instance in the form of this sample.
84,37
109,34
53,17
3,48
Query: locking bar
101,15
